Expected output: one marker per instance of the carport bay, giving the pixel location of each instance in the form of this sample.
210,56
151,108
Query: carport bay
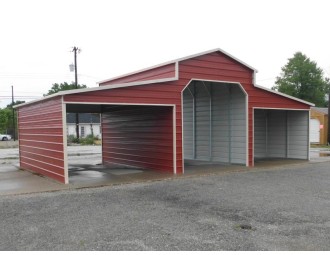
135,136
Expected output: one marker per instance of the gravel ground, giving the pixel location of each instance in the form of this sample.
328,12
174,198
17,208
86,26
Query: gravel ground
283,208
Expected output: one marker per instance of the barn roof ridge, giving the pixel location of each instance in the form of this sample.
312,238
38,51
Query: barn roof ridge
176,61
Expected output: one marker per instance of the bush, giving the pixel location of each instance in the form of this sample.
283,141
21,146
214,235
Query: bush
88,140
72,139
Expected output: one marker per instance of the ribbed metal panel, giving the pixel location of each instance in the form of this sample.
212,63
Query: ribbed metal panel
280,134
218,130
202,122
260,133
162,72
139,136
41,145
298,122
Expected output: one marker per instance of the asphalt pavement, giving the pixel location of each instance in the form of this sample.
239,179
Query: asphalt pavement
280,208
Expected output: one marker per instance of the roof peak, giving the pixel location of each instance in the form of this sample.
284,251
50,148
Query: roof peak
175,61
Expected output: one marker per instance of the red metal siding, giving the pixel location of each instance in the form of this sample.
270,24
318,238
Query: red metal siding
41,147
162,72
140,136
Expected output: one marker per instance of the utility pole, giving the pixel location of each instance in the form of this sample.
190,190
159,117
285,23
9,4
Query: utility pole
75,49
12,105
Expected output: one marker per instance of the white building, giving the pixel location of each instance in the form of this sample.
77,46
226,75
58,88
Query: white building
89,123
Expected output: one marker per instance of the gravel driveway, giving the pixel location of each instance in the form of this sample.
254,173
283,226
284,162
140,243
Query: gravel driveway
275,209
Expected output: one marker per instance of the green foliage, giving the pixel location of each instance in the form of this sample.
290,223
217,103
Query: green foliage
6,118
88,140
302,78
72,139
15,103
63,86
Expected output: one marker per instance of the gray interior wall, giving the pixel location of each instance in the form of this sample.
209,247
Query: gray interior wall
219,131
237,126
202,124
298,133
221,123
260,134
281,134
276,134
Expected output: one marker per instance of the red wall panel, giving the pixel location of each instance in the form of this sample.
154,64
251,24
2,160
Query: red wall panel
140,136
41,138
162,72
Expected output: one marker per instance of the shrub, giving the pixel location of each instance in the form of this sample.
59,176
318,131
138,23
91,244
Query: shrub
72,139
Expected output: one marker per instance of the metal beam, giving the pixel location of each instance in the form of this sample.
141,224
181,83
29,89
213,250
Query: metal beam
193,119
209,93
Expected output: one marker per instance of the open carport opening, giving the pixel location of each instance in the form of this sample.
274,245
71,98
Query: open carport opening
214,124
281,134
136,139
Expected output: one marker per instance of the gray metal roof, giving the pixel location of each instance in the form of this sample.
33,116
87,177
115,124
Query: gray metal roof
323,110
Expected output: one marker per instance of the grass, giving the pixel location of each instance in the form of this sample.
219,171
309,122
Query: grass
320,146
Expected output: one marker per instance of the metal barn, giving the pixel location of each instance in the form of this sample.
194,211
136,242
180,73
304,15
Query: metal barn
204,107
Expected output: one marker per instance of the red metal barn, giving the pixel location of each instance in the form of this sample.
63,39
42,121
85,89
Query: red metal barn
204,107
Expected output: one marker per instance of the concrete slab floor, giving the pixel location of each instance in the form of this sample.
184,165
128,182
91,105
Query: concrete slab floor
87,172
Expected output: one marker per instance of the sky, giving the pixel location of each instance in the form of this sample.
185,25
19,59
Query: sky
118,37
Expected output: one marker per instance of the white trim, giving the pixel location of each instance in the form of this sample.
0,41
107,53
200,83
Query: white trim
107,103
65,143
174,139
274,108
246,113
284,95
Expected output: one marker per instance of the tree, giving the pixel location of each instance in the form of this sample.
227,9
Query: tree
302,78
63,86
15,103
6,119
